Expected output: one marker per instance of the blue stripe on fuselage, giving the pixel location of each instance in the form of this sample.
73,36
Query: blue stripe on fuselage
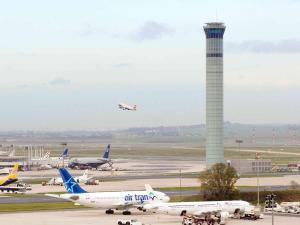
9,181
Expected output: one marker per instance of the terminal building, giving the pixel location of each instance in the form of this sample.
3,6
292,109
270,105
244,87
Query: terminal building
28,157
214,93
251,165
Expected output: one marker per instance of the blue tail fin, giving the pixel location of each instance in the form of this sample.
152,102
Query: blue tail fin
65,153
106,152
70,184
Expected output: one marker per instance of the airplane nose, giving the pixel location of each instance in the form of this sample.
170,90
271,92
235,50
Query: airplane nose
167,199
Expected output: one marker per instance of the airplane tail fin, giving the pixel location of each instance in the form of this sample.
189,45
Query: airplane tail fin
135,107
106,152
12,153
148,188
14,172
65,153
46,156
70,184
86,173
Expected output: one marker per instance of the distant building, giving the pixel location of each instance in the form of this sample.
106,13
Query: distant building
251,165
214,92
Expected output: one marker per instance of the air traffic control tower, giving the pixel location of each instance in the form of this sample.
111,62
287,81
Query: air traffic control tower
214,93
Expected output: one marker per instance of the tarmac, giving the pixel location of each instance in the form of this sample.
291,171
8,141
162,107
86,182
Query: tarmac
138,184
98,217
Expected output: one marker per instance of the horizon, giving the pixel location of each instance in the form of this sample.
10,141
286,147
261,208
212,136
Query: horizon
251,125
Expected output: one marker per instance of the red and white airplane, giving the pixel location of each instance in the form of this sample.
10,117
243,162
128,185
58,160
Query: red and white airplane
127,107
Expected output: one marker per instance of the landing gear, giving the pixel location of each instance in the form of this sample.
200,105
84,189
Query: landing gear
126,212
109,211
183,213
237,213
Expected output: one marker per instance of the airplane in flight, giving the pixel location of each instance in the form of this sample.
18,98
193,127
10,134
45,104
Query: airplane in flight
12,177
124,106
91,162
109,201
225,208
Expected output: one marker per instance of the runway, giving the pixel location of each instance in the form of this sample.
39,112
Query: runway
29,199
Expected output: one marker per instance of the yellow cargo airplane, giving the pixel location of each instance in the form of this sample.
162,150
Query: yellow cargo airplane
9,179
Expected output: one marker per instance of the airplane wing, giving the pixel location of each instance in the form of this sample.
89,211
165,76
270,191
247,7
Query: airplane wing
123,205
12,189
126,205
151,207
53,195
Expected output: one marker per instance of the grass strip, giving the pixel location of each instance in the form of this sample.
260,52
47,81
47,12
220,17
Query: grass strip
37,206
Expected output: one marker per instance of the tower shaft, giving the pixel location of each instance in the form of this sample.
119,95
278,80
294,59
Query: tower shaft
214,93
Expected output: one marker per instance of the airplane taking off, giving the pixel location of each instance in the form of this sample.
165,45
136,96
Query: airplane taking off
108,200
91,162
200,208
127,107
12,177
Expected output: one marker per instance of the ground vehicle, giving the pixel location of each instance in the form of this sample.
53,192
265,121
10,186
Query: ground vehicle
187,220
208,219
129,222
252,213
24,185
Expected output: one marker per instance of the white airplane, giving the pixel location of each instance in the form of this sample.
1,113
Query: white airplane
80,179
91,162
4,170
127,107
200,208
108,200
8,153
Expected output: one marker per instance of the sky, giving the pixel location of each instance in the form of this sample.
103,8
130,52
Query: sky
65,65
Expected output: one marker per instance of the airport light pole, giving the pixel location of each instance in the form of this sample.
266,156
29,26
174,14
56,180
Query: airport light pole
180,184
270,202
239,142
257,157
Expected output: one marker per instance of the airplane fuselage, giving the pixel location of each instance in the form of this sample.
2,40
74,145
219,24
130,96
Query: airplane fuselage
116,200
87,162
5,182
127,107
178,208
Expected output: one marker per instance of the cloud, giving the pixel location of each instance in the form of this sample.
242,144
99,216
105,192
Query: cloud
60,81
152,30
121,65
283,46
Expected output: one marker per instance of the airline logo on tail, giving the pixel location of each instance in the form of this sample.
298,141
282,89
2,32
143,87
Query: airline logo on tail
11,177
152,196
70,184
65,153
106,152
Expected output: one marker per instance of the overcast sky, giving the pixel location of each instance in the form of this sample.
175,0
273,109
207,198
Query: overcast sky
67,64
